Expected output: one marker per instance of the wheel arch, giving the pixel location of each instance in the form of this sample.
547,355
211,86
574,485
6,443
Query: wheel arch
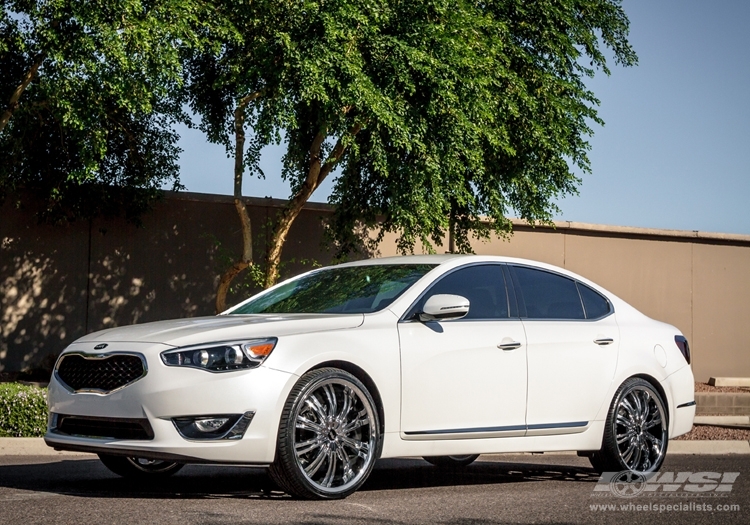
659,388
363,376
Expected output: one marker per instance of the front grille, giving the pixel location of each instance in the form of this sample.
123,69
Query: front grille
99,373
104,427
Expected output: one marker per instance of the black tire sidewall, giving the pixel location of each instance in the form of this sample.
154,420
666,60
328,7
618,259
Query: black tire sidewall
285,471
451,461
608,458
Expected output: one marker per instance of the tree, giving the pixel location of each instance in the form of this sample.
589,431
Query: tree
438,113
88,98
497,126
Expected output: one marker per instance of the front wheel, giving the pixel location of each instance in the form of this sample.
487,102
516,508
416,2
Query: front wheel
329,436
451,461
636,430
139,467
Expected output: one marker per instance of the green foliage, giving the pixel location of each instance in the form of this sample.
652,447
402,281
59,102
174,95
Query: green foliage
93,129
439,113
252,280
23,410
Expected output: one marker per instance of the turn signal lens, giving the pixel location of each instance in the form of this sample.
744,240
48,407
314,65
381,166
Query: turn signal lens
253,351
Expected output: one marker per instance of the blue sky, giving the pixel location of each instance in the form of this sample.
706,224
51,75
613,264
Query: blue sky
674,152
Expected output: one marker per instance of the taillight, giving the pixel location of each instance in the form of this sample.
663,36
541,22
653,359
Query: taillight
682,344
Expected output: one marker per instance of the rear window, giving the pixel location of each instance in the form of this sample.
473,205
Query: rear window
548,295
594,303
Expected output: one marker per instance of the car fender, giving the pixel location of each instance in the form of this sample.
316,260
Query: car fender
372,347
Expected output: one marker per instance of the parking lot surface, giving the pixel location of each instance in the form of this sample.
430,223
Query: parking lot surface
494,490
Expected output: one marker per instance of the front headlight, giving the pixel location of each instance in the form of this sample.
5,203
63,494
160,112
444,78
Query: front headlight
221,357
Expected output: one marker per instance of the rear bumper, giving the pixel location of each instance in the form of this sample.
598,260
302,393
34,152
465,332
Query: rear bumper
681,385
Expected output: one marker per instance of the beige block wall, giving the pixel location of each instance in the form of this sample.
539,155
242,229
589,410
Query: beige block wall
43,287
653,276
721,311
57,283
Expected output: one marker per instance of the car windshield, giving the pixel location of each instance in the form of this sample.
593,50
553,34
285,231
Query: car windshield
352,290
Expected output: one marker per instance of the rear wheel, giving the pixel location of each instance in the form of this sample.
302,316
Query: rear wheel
139,467
636,430
329,436
451,461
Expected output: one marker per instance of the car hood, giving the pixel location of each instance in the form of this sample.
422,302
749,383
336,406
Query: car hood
198,330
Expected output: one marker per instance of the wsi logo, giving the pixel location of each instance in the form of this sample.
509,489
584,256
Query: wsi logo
627,484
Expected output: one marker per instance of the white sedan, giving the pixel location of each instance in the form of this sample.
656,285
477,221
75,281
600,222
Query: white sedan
444,357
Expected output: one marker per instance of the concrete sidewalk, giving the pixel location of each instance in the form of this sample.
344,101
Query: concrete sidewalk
37,447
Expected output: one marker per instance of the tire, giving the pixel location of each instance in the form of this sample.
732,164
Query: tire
451,461
139,468
636,430
329,436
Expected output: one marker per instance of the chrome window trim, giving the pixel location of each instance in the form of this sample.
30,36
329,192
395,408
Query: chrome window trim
102,356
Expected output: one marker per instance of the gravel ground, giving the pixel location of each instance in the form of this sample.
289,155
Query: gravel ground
705,432
705,387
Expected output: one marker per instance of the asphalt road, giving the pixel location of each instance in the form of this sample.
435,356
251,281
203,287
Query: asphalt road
495,490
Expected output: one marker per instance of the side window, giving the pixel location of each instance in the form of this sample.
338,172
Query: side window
547,295
482,285
595,305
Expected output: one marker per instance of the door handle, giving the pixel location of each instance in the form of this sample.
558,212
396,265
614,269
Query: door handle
604,341
509,346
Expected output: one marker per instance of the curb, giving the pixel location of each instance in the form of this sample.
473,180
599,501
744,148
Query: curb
708,447
722,420
32,447
37,447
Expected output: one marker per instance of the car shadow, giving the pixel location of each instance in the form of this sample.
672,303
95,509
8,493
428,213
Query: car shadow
89,478
416,473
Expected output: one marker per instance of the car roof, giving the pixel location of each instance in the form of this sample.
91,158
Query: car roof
407,259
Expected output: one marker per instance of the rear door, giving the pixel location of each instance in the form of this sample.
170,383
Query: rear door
572,345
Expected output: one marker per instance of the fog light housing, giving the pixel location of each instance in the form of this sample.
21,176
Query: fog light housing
213,427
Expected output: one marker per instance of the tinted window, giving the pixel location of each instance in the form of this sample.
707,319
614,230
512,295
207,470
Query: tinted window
548,295
596,306
482,285
353,289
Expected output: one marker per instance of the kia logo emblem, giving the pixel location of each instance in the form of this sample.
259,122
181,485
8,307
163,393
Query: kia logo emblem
101,346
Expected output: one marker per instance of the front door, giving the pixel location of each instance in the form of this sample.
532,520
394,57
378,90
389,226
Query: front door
464,378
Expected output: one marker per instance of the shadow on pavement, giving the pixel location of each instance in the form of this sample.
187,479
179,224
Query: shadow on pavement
89,478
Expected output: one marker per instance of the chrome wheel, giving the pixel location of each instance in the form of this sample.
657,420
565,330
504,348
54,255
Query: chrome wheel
328,438
636,432
640,429
139,467
153,466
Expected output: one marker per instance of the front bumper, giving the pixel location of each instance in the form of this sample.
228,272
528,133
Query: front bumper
169,392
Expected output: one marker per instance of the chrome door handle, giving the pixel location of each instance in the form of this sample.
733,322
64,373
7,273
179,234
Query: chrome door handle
509,346
604,341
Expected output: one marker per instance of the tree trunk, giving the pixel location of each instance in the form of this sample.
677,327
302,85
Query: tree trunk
13,104
316,174
247,233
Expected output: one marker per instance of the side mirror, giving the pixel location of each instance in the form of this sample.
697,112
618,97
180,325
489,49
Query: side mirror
444,307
